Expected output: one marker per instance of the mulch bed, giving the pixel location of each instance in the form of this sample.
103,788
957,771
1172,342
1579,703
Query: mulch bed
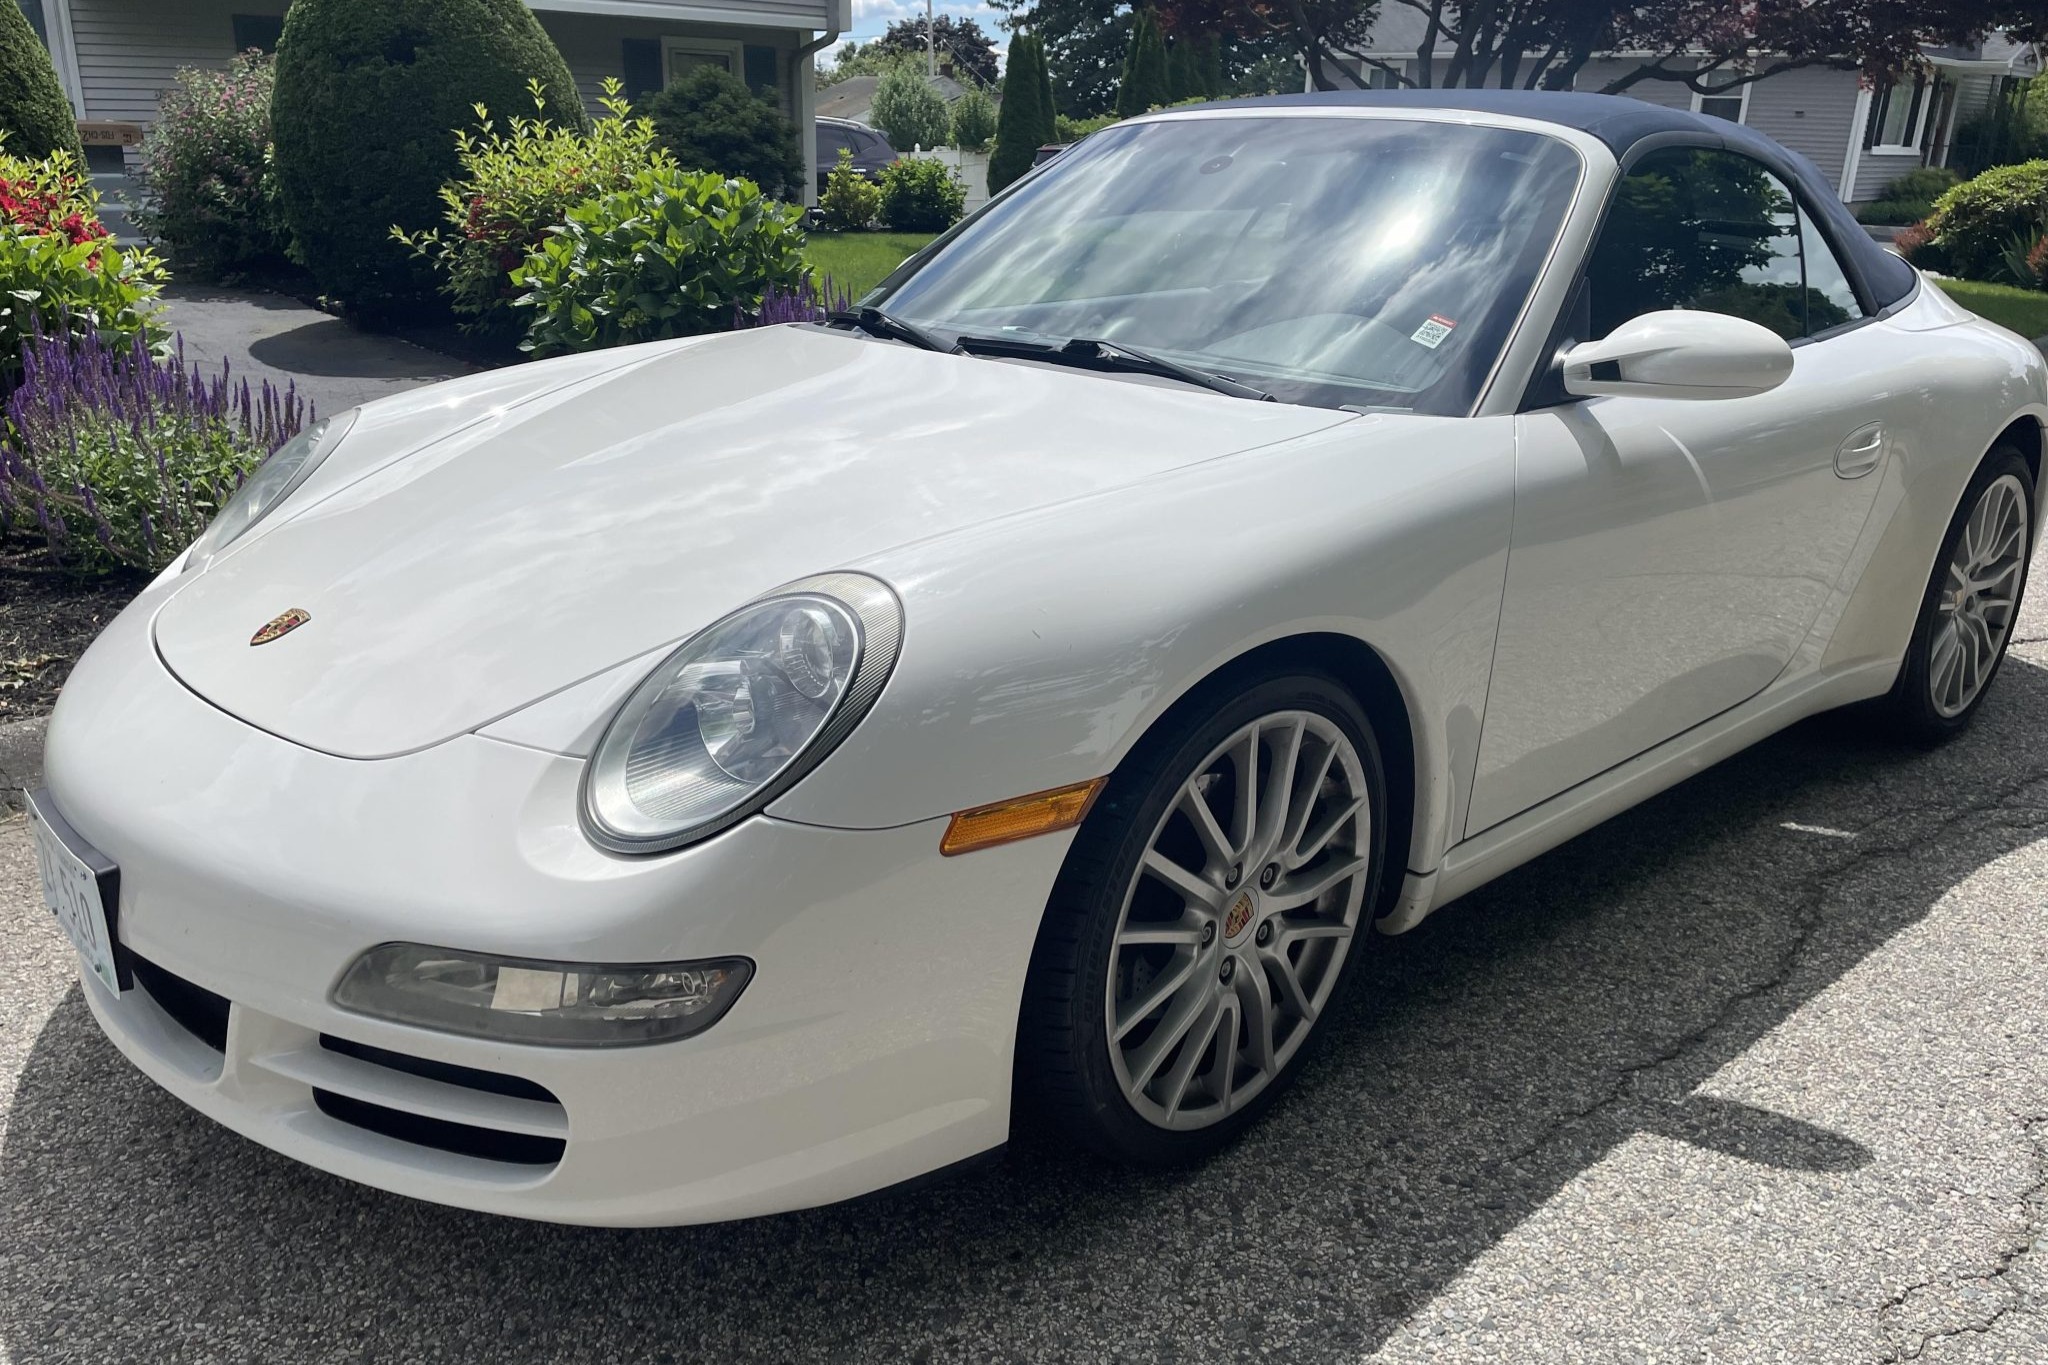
48,615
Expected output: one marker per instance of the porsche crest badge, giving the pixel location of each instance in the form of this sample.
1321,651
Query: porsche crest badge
1240,916
281,625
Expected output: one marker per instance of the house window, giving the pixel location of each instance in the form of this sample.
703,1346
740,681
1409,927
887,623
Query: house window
1897,112
1732,105
685,55
259,31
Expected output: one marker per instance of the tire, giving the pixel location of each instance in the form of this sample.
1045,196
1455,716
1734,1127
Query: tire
1117,1094
1954,655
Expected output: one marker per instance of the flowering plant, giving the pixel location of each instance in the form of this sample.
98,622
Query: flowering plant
119,457
207,172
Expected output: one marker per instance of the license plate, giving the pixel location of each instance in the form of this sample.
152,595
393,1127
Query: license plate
78,881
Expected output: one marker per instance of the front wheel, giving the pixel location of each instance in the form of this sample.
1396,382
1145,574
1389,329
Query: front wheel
1205,921
1967,614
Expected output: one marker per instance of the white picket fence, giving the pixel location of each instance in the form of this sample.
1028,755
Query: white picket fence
969,168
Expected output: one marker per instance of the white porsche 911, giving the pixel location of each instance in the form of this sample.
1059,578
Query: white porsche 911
729,775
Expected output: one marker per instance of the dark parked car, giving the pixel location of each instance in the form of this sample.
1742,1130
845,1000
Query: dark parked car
871,151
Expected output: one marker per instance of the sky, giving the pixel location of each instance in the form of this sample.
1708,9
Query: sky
872,17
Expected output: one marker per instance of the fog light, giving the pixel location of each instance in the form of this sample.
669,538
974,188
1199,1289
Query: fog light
519,1000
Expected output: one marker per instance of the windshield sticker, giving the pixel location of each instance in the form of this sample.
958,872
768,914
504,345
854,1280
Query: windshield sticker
1433,332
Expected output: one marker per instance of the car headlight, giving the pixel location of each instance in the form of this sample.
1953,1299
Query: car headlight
555,1004
743,709
268,485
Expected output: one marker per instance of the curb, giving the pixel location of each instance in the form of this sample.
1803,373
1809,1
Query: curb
21,759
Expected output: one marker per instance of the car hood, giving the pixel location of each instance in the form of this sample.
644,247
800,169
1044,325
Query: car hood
512,557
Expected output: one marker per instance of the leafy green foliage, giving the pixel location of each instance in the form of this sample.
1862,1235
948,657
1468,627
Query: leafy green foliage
59,270
710,121
1973,223
517,184
210,187
974,121
1910,197
673,254
1074,129
920,195
909,112
961,41
368,92
1024,123
851,200
1145,84
34,114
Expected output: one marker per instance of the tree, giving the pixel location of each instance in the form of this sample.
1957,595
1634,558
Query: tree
368,96
1086,42
1021,123
1710,46
712,122
33,111
909,112
1144,85
974,121
1183,71
971,50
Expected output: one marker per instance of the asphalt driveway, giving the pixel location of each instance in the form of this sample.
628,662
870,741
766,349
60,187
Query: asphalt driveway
1757,1072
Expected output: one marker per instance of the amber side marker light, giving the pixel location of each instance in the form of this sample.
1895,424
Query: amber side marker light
1021,817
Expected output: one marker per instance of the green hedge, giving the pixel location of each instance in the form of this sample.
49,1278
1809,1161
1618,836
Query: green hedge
33,111
368,95
1975,223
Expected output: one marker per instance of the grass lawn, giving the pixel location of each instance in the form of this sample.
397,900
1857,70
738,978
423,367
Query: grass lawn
2023,310
857,261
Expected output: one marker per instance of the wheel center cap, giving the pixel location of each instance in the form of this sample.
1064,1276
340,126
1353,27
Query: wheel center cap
1239,917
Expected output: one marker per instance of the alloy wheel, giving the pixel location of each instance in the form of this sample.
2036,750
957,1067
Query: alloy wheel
1979,596
1235,927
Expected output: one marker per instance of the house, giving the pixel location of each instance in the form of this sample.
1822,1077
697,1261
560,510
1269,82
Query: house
1861,138
854,97
113,57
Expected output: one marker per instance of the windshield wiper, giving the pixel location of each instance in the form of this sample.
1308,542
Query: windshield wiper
1096,354
875,322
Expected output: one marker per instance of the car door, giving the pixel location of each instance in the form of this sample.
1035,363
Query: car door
1669,555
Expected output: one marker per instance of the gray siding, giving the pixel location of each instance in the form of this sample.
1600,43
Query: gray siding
1810,111
1594,76
1873,173
129,51
591,45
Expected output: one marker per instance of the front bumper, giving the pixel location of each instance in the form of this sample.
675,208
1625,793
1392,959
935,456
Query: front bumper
873,1045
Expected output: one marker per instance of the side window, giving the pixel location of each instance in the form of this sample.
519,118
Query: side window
831,139
1830,299
1713,230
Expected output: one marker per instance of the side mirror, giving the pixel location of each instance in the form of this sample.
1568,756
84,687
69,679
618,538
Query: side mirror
1681,354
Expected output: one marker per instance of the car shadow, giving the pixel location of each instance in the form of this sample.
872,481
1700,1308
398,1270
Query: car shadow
1487,1059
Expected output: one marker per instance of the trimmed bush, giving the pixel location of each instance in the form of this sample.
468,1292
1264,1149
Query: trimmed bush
368,93
120,458
920,195
1074,129
516,185
974,121
909,112
1910,197
1974,223
672,255
210,193
851,200
59,271
711,122
34,114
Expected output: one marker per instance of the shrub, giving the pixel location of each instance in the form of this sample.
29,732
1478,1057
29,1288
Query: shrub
920,194
850,201
59,271
120,458
1024,123
34,114
1074,129
711,122
1909,198
909,112
515,185
1974,222
671,255
368,92
974,121
210,190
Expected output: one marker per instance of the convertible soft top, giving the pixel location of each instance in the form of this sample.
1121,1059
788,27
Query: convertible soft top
1627,125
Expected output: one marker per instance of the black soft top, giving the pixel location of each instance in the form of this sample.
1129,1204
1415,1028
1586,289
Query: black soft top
1627,126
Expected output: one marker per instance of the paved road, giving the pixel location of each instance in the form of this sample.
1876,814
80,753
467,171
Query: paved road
1758,1072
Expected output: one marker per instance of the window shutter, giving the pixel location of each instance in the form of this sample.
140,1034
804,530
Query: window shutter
640,65
763,71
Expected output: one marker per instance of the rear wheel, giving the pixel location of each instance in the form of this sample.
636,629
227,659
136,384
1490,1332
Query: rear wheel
1967,615
1205,921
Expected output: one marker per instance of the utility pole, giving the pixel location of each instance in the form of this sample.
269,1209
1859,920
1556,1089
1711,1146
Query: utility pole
931,44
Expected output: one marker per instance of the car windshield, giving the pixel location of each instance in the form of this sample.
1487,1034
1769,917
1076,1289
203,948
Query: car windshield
1327,261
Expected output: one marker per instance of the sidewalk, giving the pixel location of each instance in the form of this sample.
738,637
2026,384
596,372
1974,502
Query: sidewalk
271,336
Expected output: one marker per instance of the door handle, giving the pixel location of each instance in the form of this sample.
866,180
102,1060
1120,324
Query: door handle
1861,452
